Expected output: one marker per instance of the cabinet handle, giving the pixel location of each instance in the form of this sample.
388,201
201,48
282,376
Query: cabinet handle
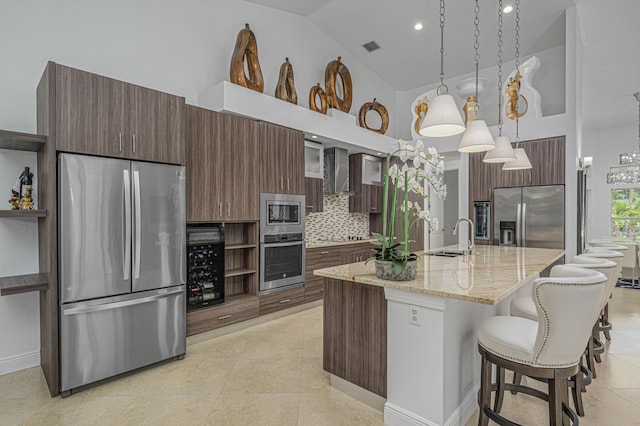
529,177
229,209
324,252
220,209
322,289
285,301
309,207
374,208
120,137
224,317
134,143
281,183
287,184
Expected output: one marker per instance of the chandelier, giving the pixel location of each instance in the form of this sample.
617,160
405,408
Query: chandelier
628,171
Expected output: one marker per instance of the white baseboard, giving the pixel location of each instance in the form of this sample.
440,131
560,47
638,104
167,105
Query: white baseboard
396,416
463,413
19,362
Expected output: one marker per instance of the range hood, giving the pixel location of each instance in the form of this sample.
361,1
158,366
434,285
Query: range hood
336,171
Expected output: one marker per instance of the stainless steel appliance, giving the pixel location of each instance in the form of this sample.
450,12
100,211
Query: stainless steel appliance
122,268
482,220
205,264
537,214
281,213
282,243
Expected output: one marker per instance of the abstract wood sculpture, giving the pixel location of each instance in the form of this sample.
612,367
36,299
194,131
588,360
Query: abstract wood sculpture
334,69
246,47
517,105
317,92
421,111
286,88
380,109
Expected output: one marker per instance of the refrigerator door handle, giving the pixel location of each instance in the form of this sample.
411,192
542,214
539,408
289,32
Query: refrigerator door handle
518,223
137,212
121,304
126,241
524,224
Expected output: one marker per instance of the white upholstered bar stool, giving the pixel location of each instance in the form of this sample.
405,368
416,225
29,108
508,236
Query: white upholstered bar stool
550,348
630,260
618,257
524,307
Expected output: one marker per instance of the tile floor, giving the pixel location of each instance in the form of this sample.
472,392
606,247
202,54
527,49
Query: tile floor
272,374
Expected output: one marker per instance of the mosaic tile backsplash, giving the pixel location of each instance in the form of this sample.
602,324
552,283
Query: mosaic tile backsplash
335,222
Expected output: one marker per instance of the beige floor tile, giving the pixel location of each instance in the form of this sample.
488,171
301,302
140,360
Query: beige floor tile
167,410
29,383
268,375
255,409
314,378
333,408
15,410
80,410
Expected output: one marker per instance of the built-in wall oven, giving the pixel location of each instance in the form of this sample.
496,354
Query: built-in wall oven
282,242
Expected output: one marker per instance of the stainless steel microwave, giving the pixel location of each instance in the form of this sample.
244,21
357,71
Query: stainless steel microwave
281,213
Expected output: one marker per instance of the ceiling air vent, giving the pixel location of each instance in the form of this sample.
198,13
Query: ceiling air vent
371,46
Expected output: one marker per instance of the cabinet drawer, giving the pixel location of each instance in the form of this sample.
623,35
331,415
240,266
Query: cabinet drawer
315,293
281,300
233,311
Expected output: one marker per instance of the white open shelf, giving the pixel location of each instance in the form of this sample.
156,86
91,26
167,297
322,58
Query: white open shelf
340,127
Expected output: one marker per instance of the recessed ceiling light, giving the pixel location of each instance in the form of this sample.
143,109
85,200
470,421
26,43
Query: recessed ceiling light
417,26
314,137
507,9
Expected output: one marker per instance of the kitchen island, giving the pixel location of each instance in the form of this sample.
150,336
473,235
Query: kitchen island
413,343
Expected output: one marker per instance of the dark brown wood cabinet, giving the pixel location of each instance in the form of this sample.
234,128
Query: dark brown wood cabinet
281,300
367,198
547,157
282,160
102,116
314,197
222,167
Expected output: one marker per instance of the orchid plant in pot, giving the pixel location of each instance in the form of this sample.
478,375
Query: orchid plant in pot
418,171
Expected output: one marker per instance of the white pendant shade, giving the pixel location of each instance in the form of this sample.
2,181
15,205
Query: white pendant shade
443,118
521,162
477,138
503,153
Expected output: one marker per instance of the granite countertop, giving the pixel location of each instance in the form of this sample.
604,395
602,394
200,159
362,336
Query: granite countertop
324,243
487,276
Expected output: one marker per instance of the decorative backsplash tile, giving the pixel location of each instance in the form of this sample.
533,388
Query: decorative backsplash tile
335,222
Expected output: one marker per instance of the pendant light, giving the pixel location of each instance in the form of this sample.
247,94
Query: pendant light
522,160
503,153
477,137
443,117
628,171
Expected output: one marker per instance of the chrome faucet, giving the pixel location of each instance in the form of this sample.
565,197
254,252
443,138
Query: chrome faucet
471,229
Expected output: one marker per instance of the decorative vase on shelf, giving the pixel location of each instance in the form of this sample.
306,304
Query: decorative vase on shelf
384,270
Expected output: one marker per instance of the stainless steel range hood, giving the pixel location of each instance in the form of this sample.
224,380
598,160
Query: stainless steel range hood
336,171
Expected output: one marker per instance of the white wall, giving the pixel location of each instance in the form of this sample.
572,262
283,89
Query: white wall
179,47
604,145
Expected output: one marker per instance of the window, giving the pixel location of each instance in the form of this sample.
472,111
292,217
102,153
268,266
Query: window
625,212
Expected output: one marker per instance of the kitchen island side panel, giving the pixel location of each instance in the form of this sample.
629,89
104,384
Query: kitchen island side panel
355,334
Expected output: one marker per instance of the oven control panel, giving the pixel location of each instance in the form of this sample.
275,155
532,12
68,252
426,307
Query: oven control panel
283,238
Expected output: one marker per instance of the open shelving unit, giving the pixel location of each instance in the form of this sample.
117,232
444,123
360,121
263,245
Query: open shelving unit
241,258
18,284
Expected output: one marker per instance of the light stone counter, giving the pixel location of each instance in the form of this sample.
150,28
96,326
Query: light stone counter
487,276
410,347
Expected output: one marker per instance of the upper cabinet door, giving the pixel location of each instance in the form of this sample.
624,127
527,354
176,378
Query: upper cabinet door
203,158
547,158
241,169
294,170
157,126
282,160
90,112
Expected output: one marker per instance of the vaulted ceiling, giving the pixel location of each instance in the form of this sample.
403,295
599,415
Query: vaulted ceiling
408,59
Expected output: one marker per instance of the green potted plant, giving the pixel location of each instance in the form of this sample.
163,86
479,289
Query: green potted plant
418,171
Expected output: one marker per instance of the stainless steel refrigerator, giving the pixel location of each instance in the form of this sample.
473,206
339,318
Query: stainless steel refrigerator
531,216
121,266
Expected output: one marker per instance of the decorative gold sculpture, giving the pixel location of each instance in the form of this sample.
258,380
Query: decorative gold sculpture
286,88
246,47
470,112
317,92
26,202
380,109
331,72
421,111
517,105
